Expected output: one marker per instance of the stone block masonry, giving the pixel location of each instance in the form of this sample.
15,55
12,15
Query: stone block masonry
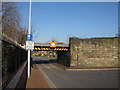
94,52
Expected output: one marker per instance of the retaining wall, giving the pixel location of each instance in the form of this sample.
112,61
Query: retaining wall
94,52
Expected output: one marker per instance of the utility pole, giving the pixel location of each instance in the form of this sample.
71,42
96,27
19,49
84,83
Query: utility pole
29,32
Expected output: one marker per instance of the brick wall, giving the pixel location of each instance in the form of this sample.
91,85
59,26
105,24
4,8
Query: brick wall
94,52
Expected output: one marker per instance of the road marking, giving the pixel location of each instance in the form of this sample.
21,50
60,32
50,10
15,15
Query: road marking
46,77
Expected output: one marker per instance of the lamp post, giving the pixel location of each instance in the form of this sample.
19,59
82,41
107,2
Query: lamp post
29,32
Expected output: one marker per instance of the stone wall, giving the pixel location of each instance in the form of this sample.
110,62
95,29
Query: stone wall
94,52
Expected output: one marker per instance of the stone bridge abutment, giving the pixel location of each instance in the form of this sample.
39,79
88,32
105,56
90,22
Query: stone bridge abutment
92,52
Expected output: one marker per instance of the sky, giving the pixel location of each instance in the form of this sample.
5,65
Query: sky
61,20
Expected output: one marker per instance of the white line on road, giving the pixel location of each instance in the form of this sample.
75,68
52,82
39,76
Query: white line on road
46,77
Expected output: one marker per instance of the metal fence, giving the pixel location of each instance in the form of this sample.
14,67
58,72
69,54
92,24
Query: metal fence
12,58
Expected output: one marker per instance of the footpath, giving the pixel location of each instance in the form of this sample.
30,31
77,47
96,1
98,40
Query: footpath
36,80
84,68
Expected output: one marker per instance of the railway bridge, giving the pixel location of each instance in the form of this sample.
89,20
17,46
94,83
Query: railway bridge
46,47
62,51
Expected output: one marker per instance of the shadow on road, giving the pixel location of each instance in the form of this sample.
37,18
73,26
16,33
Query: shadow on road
44,61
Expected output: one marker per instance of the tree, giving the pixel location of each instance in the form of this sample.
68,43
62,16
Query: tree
60,43
11,22
10,19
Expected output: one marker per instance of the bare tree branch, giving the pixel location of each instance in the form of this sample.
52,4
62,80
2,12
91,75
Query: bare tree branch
11,22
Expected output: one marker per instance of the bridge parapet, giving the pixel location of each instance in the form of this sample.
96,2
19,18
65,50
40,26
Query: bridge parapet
47,45
13,59
4,37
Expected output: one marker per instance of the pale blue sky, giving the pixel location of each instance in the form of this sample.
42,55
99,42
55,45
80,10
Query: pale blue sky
63,20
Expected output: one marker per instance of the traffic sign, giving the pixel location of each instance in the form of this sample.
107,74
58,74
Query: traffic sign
29,45
52,43
30,37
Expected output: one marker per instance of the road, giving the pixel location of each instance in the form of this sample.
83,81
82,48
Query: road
59,78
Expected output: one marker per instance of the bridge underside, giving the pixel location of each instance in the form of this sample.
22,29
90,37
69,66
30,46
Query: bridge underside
62,53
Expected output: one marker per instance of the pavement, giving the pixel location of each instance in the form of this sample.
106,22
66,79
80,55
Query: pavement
36,79
83,68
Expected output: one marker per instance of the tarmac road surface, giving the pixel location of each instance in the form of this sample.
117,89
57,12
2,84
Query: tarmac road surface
59,78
